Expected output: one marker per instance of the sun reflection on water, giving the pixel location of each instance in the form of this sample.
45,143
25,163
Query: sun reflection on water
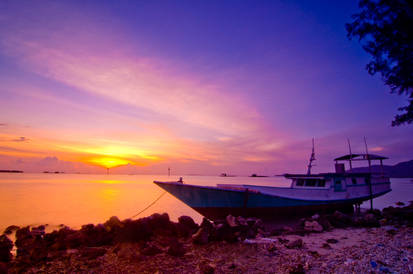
109,194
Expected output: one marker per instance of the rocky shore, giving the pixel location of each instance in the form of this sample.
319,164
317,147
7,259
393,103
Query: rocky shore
378,241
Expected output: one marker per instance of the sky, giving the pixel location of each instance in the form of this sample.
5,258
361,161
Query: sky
201,87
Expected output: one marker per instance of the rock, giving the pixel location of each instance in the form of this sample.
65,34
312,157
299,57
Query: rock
158,221
206,268
332,241
271,248
151,250
326,246
113,223
277,232
357,221
201,237
98,235
384,269
262,233
251,221
187,222
232,266
297,269
23,234
61,239
207,224
313,226
295,244
283,241
176,249
339,219
383,222
231,221
186,226
373,264
400,203
315,217
323,221
223,232
38,231
391,231
74,240
259,224
250,233
287,229
370,220
6,246
24,242
9,230
133,231
126,251
91,253
31,248
241,221
314,253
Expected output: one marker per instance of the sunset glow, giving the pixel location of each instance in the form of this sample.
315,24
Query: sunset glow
108,162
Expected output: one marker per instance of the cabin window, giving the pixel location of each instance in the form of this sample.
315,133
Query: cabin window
321,183
354,180
367,180
310,182
300,182
338,182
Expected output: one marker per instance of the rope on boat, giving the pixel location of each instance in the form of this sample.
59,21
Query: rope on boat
151,204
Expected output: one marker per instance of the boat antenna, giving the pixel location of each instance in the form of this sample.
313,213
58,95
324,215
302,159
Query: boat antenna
370,186
351,154
312,158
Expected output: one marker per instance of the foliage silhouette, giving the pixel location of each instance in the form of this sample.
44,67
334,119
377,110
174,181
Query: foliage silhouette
385,29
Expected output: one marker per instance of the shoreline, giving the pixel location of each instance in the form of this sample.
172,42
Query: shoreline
378,241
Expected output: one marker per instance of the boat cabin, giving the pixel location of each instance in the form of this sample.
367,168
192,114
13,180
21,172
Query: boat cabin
341,179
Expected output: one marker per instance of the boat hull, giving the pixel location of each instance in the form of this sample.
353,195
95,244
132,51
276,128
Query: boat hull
272,213
217,203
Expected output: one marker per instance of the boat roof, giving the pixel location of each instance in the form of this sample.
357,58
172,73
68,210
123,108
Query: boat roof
360,157
327,175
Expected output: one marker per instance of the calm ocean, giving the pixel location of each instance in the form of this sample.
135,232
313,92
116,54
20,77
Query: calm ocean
77,199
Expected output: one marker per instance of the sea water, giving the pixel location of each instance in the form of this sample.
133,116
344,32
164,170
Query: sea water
77,199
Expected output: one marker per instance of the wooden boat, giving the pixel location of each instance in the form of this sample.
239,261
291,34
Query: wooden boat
308,193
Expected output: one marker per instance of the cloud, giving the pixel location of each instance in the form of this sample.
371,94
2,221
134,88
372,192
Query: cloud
93,63
21,139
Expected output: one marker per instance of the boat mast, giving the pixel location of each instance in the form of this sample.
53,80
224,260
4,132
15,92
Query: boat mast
312,158
371,190
351,155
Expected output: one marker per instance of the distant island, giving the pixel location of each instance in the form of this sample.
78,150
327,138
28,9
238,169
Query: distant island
10,171
400,170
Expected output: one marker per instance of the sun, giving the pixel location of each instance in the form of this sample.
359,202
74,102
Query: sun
109,162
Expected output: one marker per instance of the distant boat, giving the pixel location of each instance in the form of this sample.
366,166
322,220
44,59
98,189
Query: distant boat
226,175
308,193
258,176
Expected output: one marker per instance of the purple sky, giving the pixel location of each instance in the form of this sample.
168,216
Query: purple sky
202,86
